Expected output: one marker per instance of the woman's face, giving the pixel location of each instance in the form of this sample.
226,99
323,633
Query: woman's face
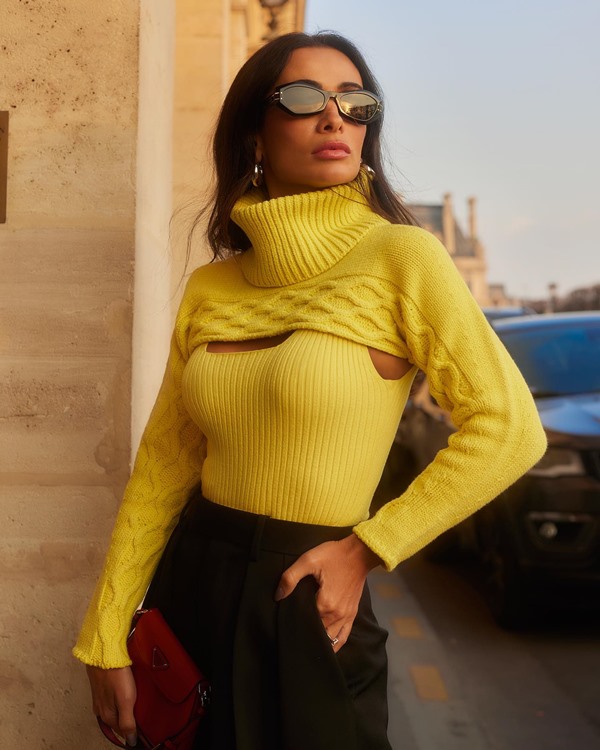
311,152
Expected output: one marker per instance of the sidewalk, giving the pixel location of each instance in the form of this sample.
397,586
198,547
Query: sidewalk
425,704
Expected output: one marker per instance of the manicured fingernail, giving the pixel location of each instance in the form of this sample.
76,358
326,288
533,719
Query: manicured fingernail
131,740
279,594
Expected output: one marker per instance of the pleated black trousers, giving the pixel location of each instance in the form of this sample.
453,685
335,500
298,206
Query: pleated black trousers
276,682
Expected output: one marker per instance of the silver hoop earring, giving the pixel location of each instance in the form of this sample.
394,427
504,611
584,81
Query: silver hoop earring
258,175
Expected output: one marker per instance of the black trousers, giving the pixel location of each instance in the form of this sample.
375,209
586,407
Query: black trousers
276,682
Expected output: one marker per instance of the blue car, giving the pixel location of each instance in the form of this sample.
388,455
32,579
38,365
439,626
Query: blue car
495,313
540,539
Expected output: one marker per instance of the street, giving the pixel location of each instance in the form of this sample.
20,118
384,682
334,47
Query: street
459,681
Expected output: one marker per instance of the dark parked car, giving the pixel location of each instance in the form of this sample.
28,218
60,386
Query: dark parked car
542,536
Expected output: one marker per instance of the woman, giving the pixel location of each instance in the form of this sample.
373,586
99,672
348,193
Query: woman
290,365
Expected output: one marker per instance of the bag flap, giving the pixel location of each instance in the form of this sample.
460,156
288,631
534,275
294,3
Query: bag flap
158,655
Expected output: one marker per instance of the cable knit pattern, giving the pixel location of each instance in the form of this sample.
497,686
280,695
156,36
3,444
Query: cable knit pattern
167,464
321,262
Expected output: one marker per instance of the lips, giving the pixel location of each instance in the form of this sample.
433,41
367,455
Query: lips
332,150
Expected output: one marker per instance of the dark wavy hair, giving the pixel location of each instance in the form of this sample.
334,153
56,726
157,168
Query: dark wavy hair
241,118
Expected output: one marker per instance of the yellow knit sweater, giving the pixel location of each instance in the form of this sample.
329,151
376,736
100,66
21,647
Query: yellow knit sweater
324,266
307,426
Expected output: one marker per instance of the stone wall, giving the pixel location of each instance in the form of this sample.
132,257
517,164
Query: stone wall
69,80
78,158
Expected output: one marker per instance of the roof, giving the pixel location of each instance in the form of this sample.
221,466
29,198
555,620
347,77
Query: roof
547,320
430,217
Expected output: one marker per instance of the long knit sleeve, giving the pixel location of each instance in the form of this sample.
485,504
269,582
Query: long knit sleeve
471,374
167,465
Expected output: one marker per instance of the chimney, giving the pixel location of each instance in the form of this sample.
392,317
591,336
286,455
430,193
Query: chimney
448,224
472,203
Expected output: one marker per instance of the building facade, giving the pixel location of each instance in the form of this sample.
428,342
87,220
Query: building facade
110,108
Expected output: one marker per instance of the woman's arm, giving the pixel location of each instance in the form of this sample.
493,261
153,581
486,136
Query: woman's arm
167,466
470,373
499,433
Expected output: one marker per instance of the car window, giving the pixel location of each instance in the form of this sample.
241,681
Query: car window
557,360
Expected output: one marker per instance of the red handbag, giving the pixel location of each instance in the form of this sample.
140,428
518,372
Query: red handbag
172,693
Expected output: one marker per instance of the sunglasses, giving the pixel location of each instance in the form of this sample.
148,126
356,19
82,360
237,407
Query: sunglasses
303,99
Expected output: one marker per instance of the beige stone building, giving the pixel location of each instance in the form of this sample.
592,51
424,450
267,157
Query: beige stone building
466,249
110,109
499,297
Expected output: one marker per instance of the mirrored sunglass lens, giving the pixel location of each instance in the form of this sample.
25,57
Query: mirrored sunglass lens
358,106
302,100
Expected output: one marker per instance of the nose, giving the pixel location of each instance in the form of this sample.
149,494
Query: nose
330,119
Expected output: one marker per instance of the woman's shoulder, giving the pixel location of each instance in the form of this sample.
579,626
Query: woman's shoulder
402,247
211,277
405,238
213,272
408,261
208,282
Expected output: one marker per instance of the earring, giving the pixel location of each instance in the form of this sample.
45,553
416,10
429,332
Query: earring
369,170
257,175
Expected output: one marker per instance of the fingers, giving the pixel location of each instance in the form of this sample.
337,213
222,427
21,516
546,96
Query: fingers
340,579
337,617
113,698
304,566
337,610
127,725
339,640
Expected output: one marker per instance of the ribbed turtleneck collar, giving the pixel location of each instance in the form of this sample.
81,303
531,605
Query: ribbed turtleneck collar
297,237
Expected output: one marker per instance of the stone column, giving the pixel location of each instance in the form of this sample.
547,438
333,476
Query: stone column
448,224
69,76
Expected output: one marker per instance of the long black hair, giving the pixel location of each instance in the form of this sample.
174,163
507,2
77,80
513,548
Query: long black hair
240,120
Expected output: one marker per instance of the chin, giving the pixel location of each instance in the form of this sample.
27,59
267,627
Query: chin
336,177
335,174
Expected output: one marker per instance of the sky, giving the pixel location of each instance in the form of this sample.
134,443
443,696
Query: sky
497,100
